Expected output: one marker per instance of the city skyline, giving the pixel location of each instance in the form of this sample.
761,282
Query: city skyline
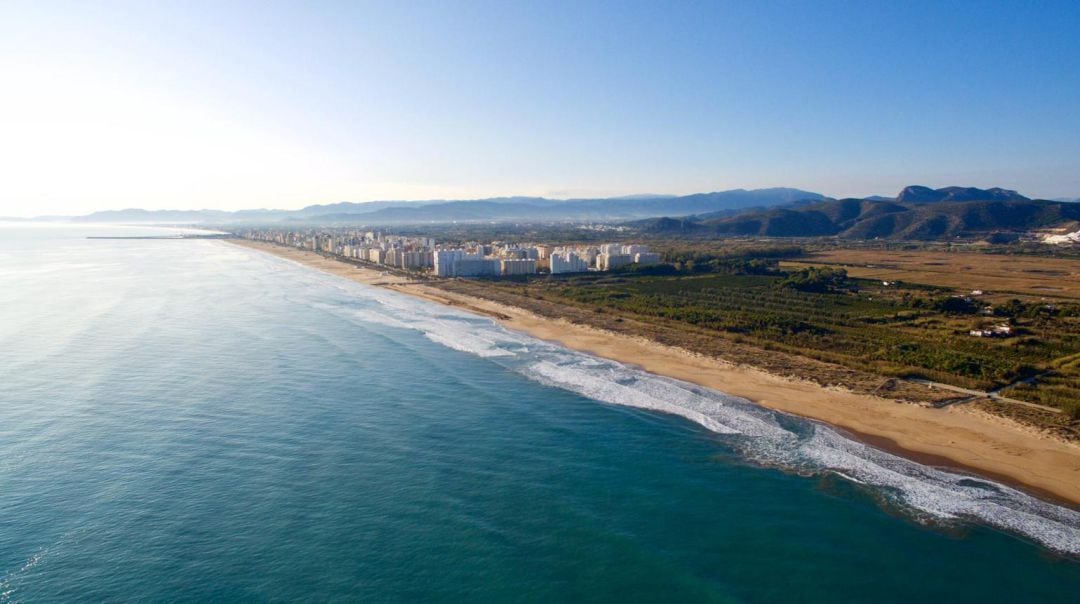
242,106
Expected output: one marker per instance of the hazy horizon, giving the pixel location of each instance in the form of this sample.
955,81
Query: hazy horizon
429,200
198,105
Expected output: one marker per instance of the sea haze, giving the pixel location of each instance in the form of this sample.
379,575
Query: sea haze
186,420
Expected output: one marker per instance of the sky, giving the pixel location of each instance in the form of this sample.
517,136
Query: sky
230,105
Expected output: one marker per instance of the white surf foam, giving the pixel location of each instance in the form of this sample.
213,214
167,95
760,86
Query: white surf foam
762,435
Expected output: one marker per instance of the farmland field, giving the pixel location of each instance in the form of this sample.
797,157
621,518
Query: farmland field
919,328
997,273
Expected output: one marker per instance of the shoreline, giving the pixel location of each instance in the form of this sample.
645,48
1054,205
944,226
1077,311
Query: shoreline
955,437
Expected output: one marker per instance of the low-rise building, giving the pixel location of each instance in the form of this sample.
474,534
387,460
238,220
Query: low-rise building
997,331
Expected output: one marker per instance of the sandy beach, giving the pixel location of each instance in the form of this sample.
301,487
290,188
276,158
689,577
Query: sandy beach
953,436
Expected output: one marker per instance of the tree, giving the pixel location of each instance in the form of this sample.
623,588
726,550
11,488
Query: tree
816,279
956,305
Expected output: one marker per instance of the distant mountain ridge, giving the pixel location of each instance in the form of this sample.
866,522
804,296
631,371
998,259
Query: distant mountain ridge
920,194
917,213
538,208
377,213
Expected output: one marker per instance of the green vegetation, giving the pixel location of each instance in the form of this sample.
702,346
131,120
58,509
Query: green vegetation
838,311
892,330
816,279
1058,386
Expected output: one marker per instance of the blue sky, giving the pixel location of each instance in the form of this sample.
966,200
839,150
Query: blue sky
277,104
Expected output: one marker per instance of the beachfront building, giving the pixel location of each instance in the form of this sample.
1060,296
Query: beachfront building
647,258
416,260
519,266
590,254
611,248
376,255
471,259
568,262
446,262
393,257
607,262
460,263
477,267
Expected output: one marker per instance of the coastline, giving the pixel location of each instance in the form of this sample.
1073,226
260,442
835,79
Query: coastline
953,436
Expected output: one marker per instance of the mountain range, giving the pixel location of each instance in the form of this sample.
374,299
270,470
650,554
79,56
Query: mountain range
916,213
377,213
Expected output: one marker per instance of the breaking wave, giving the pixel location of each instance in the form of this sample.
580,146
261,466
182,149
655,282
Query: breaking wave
761,435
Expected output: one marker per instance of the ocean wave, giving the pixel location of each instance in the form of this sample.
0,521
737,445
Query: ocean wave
761,435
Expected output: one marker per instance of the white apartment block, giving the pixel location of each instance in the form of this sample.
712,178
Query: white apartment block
446,262
477,267
520,266
607,262
568,262
415,260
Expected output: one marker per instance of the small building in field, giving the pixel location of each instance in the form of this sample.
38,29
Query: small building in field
997,331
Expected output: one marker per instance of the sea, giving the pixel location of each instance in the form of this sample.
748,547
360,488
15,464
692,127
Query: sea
192,421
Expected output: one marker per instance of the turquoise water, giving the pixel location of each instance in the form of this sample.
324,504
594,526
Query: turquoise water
192,421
